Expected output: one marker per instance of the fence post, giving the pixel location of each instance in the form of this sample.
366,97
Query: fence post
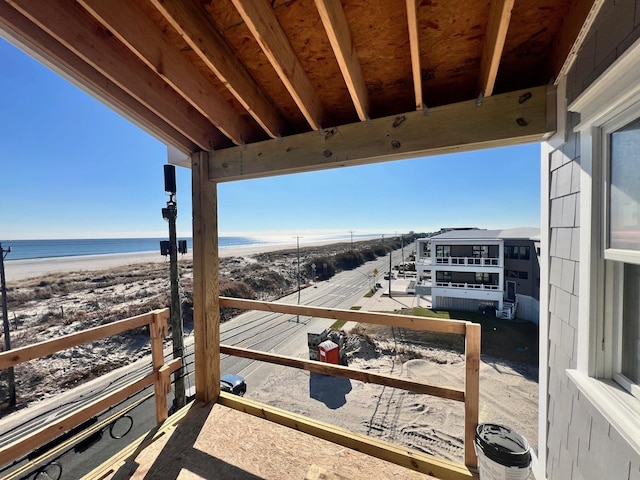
471,391
158,330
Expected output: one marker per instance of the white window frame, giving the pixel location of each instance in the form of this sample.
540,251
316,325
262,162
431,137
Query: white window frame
605,105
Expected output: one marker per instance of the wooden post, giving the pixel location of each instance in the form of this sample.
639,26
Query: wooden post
471,392
158,330
206,289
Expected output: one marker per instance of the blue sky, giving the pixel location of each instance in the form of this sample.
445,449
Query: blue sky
72,168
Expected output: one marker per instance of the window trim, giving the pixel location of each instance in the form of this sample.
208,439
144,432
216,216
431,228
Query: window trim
609,98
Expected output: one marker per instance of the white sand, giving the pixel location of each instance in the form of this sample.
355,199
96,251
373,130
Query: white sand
21,269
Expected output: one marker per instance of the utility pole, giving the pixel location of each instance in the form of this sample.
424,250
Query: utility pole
11,380
390,271
404,273
298,246
170,213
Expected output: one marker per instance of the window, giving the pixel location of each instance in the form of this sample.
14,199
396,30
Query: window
523,275
443,251
621,187
524,253
607,371
630,342
481,251
443,276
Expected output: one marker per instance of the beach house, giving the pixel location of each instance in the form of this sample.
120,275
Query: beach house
491,271
242,89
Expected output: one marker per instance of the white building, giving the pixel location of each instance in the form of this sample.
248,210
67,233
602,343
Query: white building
482,270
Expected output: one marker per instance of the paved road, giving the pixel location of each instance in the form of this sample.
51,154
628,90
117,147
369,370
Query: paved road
274,332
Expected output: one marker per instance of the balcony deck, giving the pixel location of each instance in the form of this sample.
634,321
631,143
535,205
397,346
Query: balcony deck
214,441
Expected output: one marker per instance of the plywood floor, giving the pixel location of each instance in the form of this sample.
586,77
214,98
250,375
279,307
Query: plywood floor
216,442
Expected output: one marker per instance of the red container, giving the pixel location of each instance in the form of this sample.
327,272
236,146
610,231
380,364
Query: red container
329,352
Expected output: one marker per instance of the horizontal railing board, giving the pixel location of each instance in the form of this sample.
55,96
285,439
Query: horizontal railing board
345,372
50,431
20,355
441,325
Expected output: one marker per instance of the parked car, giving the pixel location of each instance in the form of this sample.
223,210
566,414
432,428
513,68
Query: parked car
233,384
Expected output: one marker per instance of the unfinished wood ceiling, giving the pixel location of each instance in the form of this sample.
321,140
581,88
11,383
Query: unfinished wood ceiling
216,74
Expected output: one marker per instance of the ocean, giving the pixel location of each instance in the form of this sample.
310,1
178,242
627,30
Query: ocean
30,249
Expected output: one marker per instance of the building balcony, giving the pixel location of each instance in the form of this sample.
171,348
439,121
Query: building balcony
468,286
460,261
220,435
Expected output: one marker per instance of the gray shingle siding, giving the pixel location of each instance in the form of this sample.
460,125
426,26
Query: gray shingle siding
581,444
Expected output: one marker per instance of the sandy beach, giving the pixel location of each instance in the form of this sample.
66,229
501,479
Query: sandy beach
22,269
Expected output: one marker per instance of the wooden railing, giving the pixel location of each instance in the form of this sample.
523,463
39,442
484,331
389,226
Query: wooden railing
469,394
160,378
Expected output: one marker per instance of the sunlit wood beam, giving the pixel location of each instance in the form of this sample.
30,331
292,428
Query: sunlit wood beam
41,45
506,119
414,47
74,28
263,24
335,24
192,24
497,27
132,26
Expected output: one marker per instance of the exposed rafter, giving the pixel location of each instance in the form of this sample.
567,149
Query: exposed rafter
335,24
67,22
506,119
69,65
259,17
192,24
143,37
494,39
414,47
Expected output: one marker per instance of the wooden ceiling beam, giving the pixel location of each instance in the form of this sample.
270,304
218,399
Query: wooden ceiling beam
335,24
132,26
192,24
497,27
414,47
263,24
73,27
65,62
506,119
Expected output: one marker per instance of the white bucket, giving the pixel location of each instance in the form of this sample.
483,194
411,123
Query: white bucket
503,454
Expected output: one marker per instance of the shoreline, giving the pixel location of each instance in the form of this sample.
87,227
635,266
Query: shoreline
35,267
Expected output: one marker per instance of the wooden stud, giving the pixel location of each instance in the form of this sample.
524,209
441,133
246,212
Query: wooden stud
414,47
494,39
206,307
191,23
335,24
143,38
471,392
259,17
42,45
67,21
